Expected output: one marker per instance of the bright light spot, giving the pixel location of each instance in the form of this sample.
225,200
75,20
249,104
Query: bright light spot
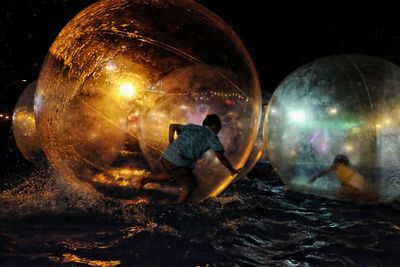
1,115
38,101
378,126
297,115
111,66
127,90
229,102
388,121
93,135
333,110
348,147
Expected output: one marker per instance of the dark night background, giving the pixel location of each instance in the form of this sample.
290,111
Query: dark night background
254,222
280,36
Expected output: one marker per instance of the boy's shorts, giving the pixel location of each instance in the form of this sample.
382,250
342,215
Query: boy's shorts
183,175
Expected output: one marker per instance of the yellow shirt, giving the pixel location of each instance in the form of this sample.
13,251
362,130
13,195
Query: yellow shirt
349,176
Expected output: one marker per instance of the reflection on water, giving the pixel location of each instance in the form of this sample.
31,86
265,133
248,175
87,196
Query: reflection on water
253,223
70,258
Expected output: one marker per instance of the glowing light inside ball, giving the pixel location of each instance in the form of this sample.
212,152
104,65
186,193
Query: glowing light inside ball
127,90
121,71
345,104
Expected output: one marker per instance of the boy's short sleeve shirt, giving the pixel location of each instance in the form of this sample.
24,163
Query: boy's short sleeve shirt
191,143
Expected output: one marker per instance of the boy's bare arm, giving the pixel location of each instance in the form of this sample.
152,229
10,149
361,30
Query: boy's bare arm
172,128
320,174
226,163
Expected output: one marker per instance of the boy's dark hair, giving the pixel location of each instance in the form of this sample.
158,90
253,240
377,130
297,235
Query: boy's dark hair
212,119
343,159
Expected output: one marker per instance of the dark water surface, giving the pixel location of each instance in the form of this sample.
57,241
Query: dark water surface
253,223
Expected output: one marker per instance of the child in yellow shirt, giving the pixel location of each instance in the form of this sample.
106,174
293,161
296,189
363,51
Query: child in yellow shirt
353,183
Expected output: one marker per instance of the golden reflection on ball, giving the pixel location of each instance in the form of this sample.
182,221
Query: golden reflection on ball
121,71
24,126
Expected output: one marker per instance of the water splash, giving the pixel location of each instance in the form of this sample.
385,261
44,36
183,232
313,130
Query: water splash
44,193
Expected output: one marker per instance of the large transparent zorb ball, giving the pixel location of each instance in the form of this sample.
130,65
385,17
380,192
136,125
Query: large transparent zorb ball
24,127
344,104
187,95
121,71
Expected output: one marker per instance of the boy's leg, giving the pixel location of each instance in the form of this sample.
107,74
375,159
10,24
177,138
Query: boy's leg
188,181
154,178
184,195
157,177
